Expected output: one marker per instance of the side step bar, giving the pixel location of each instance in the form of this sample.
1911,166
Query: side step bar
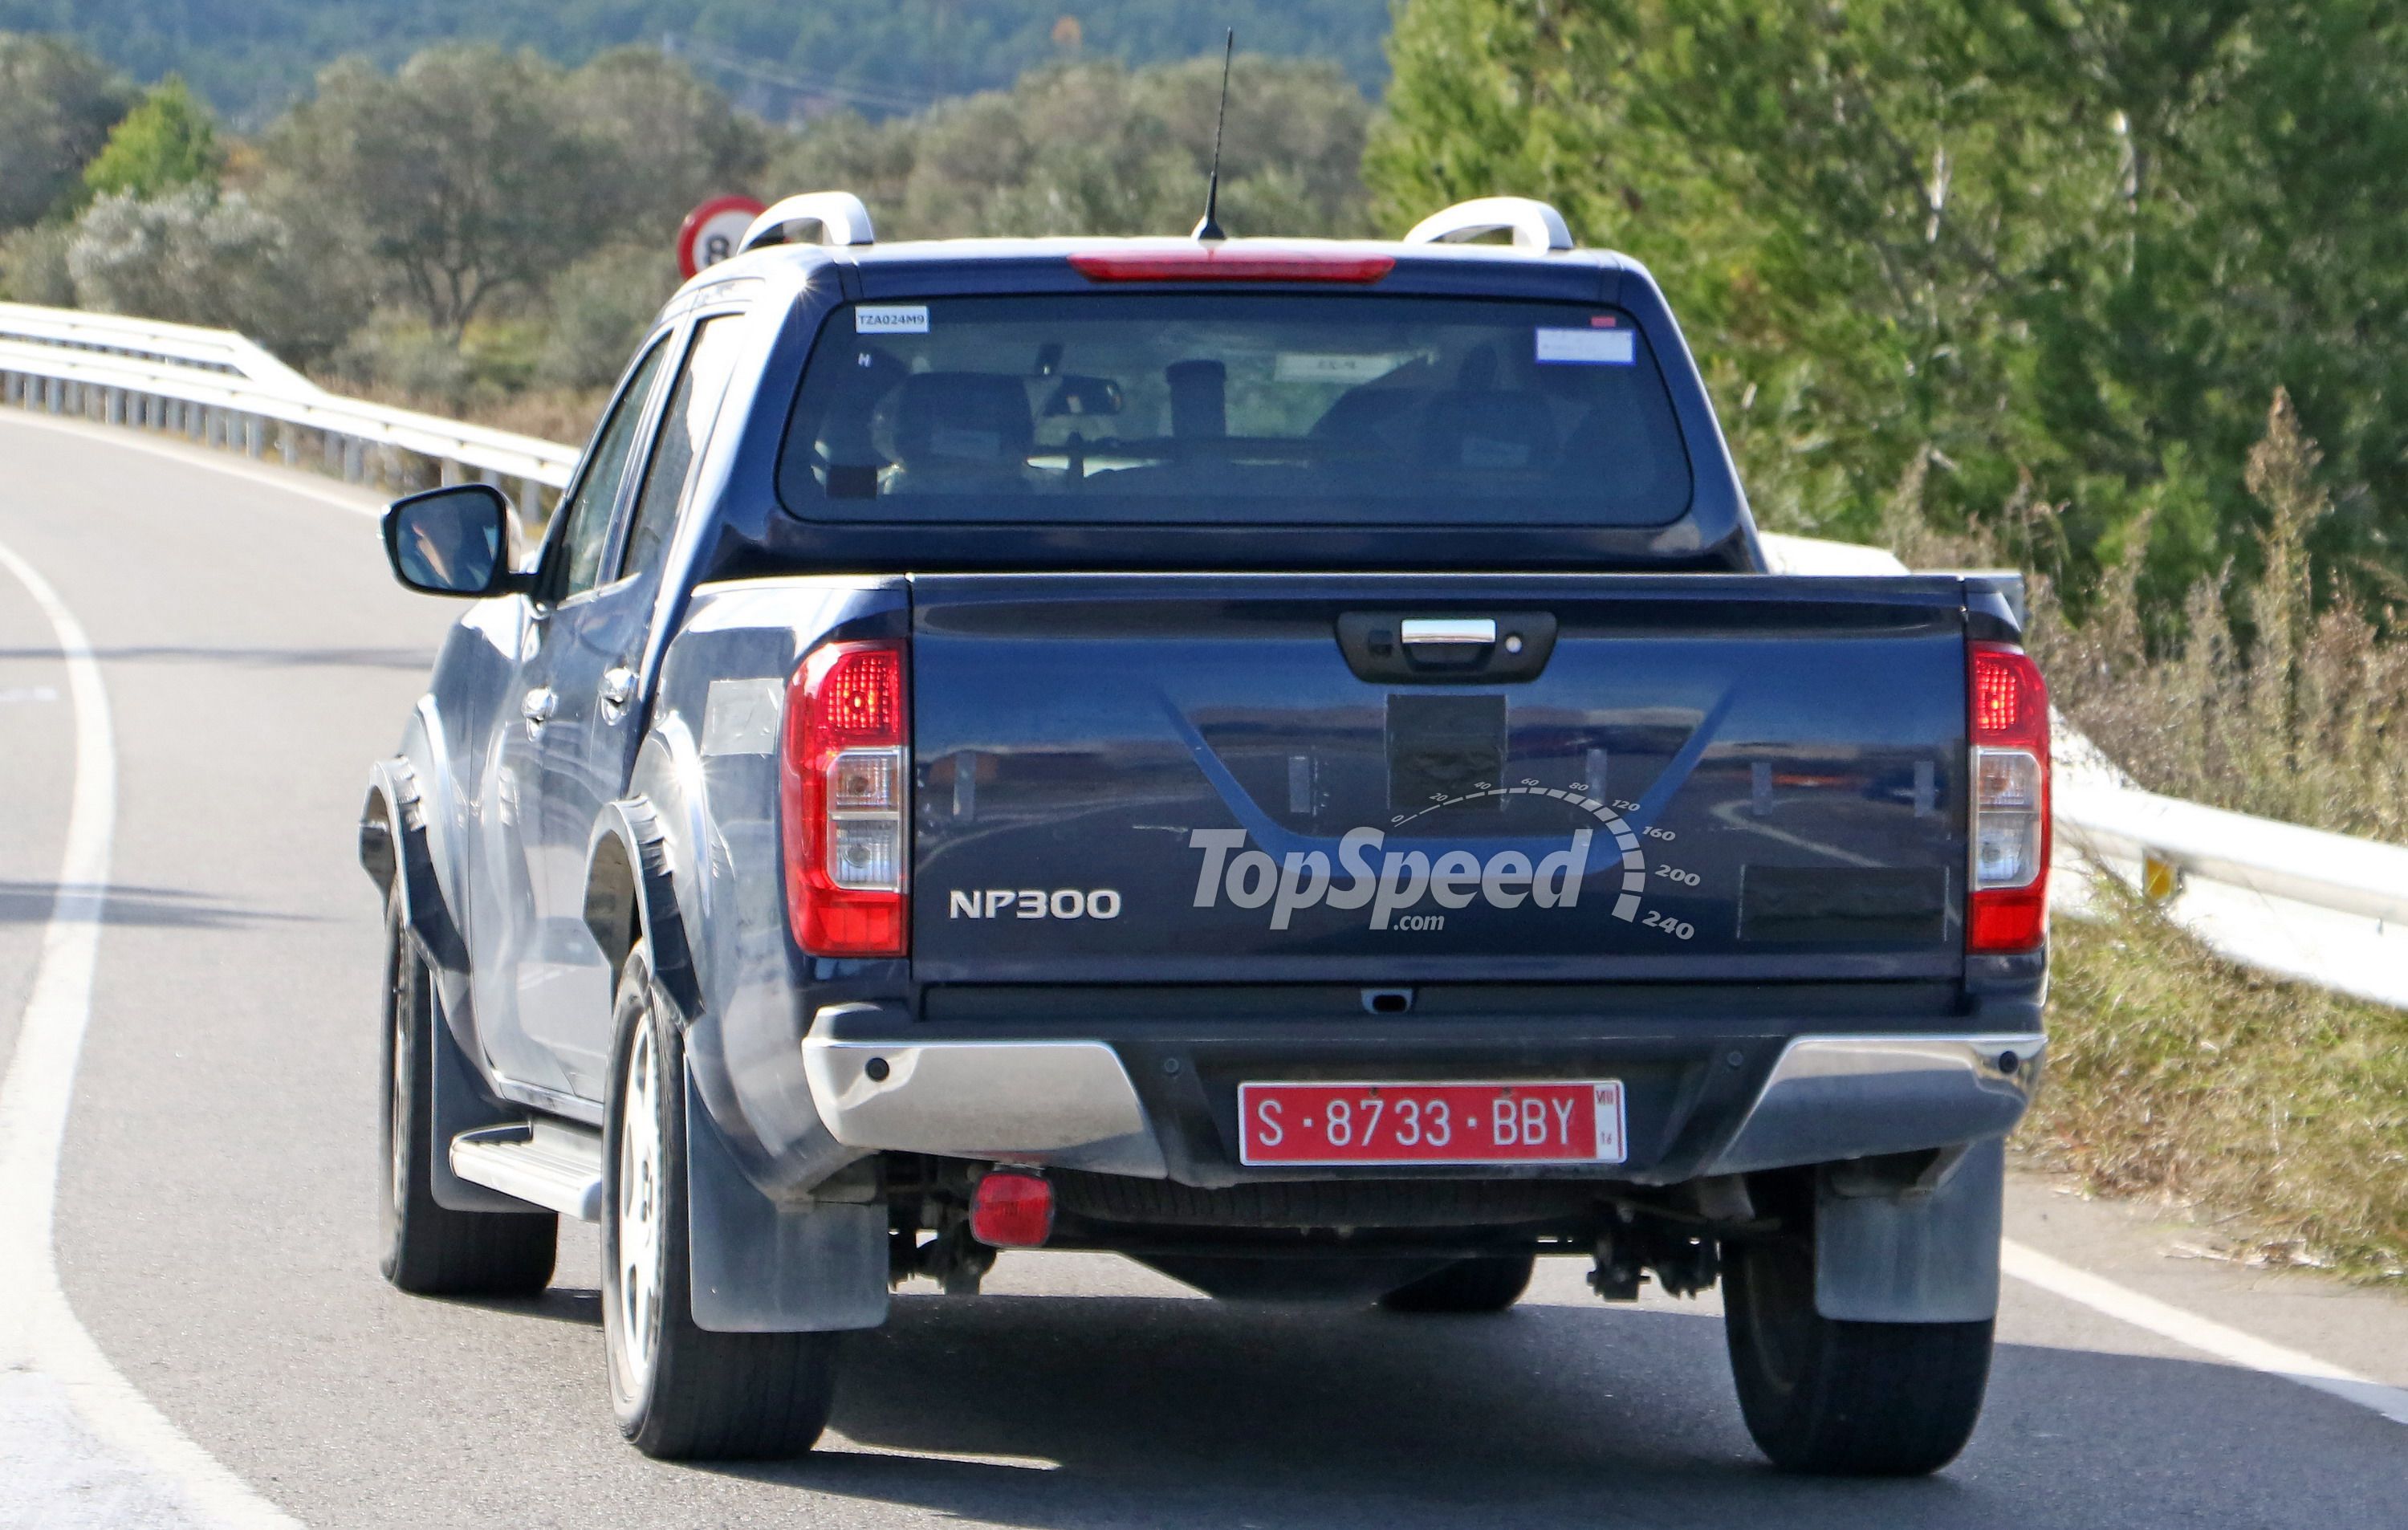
555,1165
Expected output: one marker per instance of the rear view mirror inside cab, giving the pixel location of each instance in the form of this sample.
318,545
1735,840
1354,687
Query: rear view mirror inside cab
451,541
1079,395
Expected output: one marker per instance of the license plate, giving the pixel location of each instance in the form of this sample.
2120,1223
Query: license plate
1547,1122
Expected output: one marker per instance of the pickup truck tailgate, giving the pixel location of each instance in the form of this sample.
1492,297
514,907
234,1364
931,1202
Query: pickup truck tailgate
1392,779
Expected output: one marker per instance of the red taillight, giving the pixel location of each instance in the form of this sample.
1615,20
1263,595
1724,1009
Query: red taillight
1220,264
2010,823
1012,1210
844,790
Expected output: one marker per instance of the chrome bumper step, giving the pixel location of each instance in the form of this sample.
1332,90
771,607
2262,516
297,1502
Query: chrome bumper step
551,1164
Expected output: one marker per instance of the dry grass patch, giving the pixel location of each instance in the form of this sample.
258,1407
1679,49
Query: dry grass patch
2173,1072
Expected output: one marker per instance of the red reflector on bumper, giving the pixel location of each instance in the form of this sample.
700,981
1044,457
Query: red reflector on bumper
1011,1210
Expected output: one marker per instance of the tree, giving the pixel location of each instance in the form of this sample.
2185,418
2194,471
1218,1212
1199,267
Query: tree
2042,259
166,142
1092,147
57,103
469,174
251,57
671,140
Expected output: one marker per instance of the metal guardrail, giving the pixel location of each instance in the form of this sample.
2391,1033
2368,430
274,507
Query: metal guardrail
218,388
2331,871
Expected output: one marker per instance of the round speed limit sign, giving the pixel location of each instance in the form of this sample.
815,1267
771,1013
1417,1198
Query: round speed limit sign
709,232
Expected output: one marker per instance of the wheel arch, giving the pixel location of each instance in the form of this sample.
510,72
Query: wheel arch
393,849
631,895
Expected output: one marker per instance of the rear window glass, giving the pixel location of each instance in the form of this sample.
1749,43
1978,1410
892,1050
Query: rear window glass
1263,407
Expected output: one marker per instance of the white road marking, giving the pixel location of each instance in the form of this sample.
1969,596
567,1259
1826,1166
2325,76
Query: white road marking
290,481
2205,1334
38,1329
29,693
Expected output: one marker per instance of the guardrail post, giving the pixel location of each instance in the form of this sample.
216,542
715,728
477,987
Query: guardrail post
254,434
354,468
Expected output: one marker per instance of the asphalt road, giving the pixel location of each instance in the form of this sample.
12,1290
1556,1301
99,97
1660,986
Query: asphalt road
216,1227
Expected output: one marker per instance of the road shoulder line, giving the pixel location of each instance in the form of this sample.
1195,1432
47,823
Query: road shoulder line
2205,1334
268,475
38,1329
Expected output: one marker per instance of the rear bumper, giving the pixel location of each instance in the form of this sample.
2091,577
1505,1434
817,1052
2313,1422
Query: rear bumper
1131,1099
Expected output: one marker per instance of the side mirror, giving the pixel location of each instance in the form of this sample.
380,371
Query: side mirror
453,541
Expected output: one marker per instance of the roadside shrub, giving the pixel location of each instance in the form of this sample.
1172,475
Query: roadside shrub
600,307
2285,698
2266,702
397,358
195,257
34,266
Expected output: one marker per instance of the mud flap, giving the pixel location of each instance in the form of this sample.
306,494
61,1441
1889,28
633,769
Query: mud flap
760,1267
1922,1256
461,1103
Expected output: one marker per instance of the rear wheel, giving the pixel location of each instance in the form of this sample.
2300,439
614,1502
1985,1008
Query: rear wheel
1873,1399
682,1392
1472,1285
429,1249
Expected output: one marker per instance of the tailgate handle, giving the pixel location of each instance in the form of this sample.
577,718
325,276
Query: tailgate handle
1389,648
1418,630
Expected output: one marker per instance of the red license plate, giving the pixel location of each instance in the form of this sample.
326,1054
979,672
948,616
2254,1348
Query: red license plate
1431,1123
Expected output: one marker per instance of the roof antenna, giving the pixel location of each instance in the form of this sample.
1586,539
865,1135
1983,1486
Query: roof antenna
1208,226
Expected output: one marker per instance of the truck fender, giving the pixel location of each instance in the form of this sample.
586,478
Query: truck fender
392,844
629,893
1915,1255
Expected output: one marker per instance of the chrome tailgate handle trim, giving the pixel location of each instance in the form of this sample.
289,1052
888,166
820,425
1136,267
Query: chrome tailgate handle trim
1418,630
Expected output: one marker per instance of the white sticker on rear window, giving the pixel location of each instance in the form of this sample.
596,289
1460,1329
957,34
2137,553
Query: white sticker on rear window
1588,346
891,319
1333,366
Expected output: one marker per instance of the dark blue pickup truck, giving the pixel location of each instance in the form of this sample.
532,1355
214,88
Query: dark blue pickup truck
1281,759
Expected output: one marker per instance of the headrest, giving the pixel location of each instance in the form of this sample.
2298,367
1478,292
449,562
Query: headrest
1497,431
962,419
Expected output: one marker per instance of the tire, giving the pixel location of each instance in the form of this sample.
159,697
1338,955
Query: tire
429,1249
1470,1286
682,1392
1867,1399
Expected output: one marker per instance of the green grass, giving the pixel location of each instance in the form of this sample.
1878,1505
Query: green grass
2173,1072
